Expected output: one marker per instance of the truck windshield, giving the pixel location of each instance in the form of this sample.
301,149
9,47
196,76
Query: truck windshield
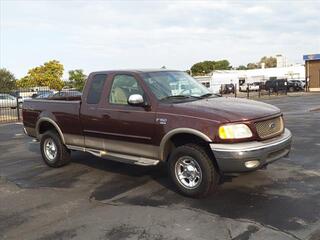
175,85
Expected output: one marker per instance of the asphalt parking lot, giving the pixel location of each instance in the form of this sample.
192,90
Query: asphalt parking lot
99,199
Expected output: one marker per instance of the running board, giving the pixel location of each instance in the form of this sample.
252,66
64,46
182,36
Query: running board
142,161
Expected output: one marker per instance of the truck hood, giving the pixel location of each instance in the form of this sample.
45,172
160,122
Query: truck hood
227,109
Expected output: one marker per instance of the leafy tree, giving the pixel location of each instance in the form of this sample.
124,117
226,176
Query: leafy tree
242,67
7,80
222,65
202,68
205,67
268,61
252,65
77,79
47,75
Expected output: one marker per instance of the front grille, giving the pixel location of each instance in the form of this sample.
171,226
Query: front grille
269,128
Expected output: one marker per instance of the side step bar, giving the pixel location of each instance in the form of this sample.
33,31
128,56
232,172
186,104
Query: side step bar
142,161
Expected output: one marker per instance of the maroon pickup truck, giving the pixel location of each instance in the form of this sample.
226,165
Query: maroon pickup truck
146,117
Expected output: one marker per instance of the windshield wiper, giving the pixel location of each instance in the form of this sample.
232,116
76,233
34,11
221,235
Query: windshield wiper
175,96
208,95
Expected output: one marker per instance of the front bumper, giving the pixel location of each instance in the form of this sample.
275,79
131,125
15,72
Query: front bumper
232,158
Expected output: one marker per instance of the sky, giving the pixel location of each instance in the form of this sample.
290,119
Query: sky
102,35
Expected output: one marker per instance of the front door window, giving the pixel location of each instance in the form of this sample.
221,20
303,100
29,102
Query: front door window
122,87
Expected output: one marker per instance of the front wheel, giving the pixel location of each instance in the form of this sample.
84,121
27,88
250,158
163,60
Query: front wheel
192,171
54,153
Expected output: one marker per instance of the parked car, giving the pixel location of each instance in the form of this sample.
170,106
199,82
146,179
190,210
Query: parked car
8,101
66,93
23,95
298,82
282,85
227,88
303,83
257,86
251,86
137,117
43,94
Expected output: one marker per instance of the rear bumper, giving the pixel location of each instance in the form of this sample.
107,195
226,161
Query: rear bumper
249,156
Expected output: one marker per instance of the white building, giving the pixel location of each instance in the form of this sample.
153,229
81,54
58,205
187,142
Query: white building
281,61
239,77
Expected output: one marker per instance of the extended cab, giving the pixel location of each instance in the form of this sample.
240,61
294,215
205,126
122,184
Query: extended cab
146,117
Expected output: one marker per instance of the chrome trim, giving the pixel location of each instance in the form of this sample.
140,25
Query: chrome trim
50,149
135,159
188,172
277,122
251,146
76,148
46,119
143,161
135,99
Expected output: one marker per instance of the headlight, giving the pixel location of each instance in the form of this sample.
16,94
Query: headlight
234,131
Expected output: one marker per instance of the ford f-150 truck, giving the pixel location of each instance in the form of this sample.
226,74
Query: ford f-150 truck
146,117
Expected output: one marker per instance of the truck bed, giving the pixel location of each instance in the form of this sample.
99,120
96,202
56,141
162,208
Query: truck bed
65,112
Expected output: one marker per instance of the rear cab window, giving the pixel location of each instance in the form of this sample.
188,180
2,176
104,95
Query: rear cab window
96,88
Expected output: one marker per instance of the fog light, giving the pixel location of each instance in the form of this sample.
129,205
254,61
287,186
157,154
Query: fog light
252,164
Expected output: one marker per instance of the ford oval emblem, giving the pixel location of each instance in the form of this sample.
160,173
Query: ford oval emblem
272,125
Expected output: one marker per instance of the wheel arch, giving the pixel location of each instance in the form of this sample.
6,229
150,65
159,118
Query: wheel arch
169,139
45,124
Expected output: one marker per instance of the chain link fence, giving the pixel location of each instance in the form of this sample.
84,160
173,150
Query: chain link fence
11,102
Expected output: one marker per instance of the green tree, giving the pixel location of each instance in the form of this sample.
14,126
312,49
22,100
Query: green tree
77,79
242,67
268,61
7,80
222,65
252,65
47,75
205,67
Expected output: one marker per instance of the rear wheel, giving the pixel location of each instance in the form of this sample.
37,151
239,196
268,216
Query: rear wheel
54,153
192,171
291,89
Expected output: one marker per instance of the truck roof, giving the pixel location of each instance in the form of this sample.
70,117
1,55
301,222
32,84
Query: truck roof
136,70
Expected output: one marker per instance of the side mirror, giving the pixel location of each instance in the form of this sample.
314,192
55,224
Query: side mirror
136,100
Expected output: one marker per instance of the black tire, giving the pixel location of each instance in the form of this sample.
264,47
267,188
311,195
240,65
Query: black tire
291,89
62,156
210,176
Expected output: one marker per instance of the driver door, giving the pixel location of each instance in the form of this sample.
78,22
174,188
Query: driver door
128,129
